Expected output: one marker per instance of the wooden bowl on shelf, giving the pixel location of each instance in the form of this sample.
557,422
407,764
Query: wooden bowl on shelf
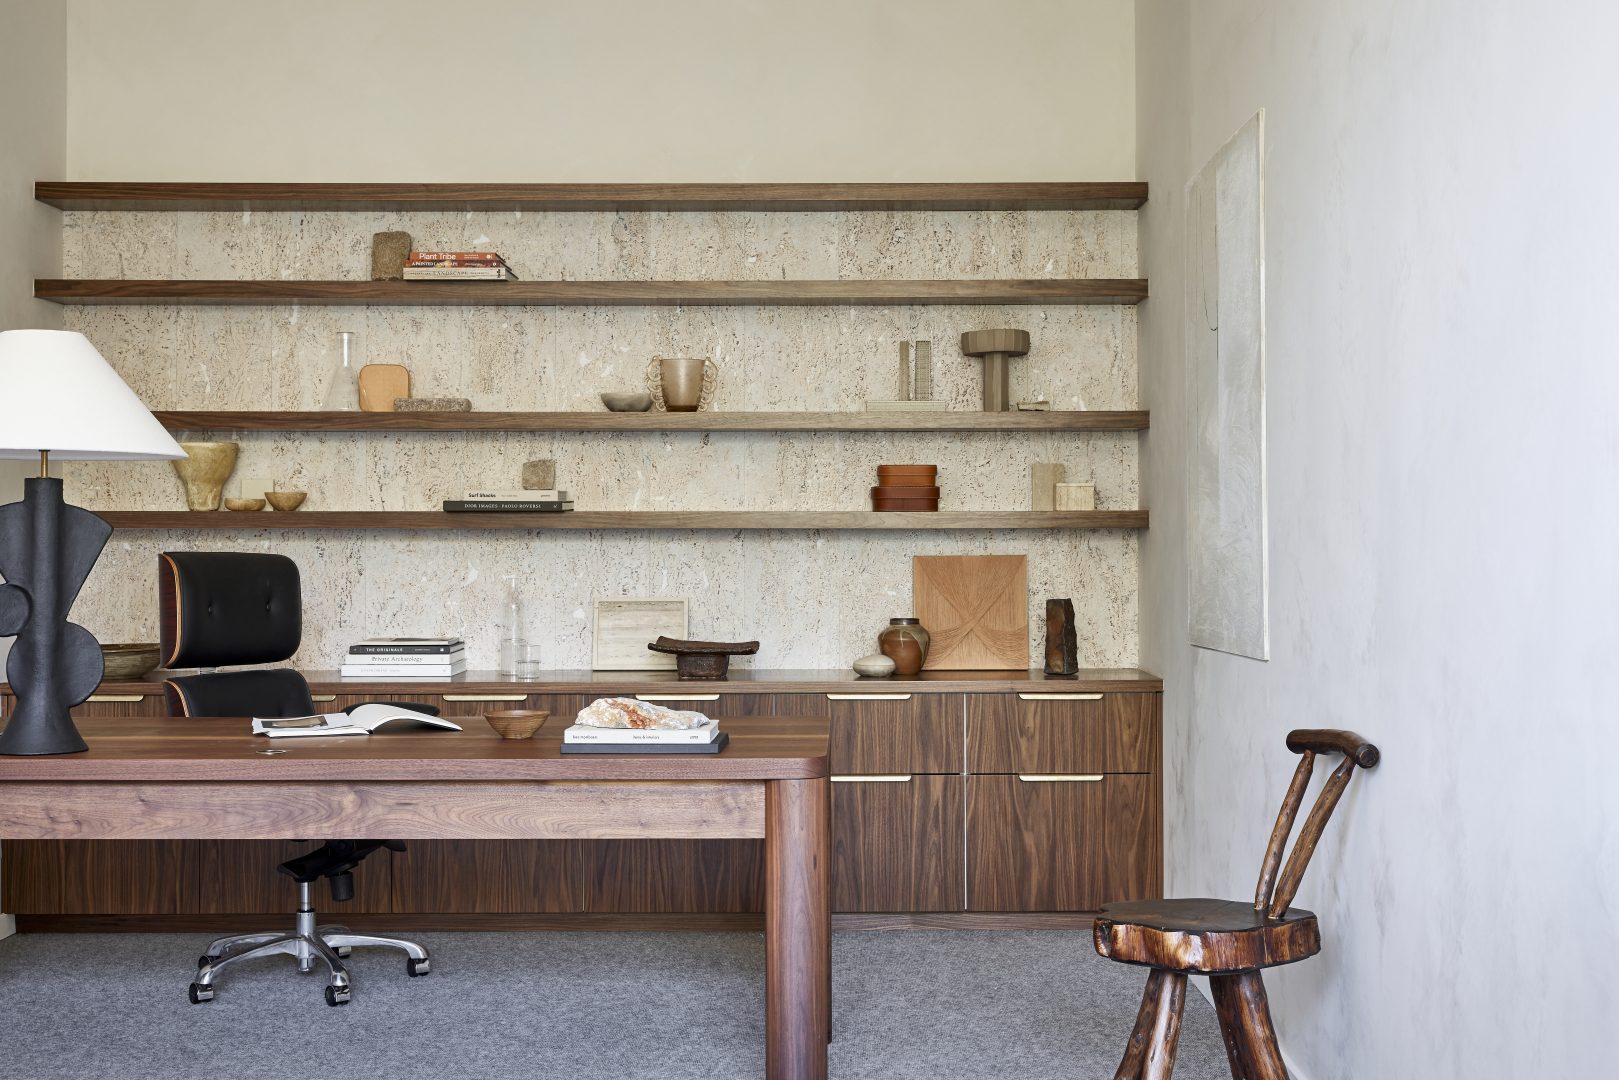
516,723
912,475
286,500
244,504
129,661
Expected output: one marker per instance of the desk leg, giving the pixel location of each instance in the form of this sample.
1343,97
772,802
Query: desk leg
798,928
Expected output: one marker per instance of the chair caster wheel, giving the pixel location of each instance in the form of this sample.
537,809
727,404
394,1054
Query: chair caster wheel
345,951
335,997
414,968
199,993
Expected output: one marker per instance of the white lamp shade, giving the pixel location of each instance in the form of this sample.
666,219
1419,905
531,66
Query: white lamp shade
58,393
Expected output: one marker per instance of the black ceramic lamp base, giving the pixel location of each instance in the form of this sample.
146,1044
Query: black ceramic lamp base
47,550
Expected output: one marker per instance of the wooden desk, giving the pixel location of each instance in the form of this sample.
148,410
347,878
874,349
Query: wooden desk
205,779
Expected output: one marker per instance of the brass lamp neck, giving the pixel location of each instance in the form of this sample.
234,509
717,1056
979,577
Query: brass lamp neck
44,463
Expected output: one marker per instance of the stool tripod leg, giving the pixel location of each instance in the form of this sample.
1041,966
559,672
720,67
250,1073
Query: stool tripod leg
1245,1023
1135,1051
1166,1028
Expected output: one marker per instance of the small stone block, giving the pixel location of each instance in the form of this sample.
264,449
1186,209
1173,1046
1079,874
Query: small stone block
1062,639
432,404
1076,497
389,250
540,475
1043,480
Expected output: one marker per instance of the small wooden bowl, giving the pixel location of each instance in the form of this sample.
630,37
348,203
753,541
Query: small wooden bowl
286,500
881,502
244,504
516,723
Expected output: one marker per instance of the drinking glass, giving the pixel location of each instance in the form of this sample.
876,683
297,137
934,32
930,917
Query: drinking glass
528,660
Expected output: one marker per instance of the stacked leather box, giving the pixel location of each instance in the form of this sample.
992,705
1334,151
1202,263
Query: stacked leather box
906,487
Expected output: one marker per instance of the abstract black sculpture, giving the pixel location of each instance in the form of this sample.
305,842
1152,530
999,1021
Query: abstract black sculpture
47,549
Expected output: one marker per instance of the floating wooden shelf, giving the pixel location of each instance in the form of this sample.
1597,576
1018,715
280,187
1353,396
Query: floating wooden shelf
624,519
609,293
79,195
1096,420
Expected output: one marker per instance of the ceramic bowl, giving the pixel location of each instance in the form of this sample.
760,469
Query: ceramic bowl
244,504
129,661
627,401
286,500
516,723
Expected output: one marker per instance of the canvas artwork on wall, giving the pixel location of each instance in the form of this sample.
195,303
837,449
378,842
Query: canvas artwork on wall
1227,554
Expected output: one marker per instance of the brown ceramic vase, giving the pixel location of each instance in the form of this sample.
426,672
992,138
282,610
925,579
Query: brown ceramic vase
905,641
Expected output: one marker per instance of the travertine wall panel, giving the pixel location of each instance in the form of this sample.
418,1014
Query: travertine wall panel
814,599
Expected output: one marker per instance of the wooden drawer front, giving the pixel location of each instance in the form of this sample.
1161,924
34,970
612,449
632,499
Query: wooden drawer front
114,877
676,876
1061,845
897,844
1080,733
489,876
895,733
111,704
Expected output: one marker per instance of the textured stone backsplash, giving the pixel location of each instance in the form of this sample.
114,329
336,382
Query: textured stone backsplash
814,599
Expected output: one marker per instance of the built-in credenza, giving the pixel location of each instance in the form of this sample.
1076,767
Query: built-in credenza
956,792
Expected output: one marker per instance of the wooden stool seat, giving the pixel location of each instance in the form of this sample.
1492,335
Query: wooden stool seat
1204,937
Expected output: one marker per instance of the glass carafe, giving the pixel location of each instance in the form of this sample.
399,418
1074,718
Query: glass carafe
343,391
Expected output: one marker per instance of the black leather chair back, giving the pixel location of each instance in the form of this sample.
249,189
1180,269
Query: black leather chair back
227,607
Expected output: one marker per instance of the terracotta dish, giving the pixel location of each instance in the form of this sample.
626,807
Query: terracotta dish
888,503
920,475
900,491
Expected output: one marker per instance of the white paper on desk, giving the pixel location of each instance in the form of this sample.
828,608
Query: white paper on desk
362,721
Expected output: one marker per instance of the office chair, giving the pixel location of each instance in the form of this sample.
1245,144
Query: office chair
224,607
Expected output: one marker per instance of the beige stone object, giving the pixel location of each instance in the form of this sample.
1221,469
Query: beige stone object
206,467
540,475
1075,497
1044,476
682,383
432,404
623,712
244,504
389,250
286,500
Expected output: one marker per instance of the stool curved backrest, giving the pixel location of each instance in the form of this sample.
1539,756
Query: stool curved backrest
1274,894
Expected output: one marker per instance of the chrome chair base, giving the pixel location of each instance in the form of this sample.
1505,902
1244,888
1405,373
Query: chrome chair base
307,943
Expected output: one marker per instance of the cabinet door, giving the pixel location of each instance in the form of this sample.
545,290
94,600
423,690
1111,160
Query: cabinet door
127,877
1062,733
677,876
30,876
1050,844
895,733
897,843
489,876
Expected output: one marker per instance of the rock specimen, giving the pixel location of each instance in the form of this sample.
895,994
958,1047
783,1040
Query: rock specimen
620,712
389,250
540,475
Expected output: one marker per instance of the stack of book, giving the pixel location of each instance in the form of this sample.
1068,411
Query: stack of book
490,500
707,738
405,658
457,266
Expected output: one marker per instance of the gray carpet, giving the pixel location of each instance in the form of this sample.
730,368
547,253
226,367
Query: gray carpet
931,1005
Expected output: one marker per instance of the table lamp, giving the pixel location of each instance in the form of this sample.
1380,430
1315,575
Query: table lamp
57,396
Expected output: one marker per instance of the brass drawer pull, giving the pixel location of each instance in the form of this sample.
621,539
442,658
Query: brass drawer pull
95,699
1059,778
485,697
677,697
868,697
322,697
1059,697
874,778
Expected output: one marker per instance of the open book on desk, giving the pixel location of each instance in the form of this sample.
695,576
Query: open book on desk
362,721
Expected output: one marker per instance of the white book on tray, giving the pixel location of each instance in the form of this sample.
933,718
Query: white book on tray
362,721
703,733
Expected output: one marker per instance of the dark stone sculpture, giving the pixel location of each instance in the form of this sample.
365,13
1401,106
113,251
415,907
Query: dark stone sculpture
1062,639
47,550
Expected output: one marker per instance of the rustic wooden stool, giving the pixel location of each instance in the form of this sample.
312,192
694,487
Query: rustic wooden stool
1228,940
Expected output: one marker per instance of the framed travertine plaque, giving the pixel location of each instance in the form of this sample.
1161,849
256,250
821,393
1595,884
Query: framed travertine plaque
622,627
